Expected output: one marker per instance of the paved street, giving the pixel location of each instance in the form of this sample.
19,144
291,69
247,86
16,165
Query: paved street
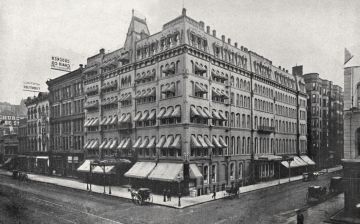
41,203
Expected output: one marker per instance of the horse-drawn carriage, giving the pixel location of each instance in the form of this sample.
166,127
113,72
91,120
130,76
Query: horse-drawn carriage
316,194
310,176
232,191
19,175
141,196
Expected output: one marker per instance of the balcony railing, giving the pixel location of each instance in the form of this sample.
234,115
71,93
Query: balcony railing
266,129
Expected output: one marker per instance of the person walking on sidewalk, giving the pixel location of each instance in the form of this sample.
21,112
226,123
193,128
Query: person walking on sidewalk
299,217
168,195
164,194
214,195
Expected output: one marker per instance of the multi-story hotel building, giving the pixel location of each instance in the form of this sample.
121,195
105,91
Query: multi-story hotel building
325,120
66,97
38,134
193,108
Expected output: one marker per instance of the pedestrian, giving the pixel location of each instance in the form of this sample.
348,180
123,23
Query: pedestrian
168,195
164,194
299,217
214,195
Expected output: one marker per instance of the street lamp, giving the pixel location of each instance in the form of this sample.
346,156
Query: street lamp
179,194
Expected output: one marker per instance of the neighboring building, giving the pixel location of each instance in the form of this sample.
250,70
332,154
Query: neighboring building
66,98
38,133
9,123
187,106
351,161
17,110
325,120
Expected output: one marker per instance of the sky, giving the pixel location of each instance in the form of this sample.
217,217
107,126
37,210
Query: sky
309,33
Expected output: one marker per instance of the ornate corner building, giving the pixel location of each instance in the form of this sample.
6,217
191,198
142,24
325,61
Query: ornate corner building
188,108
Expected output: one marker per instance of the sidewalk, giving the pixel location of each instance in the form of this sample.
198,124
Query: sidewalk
122,192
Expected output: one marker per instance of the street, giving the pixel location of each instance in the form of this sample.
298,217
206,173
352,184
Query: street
42,203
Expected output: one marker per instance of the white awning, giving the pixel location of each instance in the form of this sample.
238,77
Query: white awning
151,143
161,142
216,115
207,112
140,170
202,142
167,172
177,142
194,111
137,116
216,142
222,142
152,115
195,172
100,169
102,145
161,113
168,142
307,160
85,166
121,143
208,142
144,143
137,143
126,144
144,116
195,143
168,113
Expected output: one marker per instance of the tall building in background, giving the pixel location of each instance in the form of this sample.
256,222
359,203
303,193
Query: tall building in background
38,133
187,107
66,97
325,120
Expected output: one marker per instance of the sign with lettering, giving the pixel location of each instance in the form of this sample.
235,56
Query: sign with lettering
31,86
61,64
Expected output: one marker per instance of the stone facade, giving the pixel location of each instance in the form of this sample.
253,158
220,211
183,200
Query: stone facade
66,97
185,96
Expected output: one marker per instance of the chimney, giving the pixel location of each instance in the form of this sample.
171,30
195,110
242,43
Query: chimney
102,51
201,24
223,38
236,44
297,70
214,33
81,65
183,12
208,29
229,40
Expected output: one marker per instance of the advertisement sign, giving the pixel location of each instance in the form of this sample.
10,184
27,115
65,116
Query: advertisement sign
61,64
31,86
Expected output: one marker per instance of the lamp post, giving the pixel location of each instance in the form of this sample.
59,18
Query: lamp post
179,194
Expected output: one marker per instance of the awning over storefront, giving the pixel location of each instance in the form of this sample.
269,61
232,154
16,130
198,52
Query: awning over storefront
168,142
195,172
140,170
144,116
137,143
167,172
85,167
216,142
216,115
100,169
152,115
161,113
297,162
307,160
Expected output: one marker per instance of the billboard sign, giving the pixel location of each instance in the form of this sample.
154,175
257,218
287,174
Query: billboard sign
59,63
31,86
